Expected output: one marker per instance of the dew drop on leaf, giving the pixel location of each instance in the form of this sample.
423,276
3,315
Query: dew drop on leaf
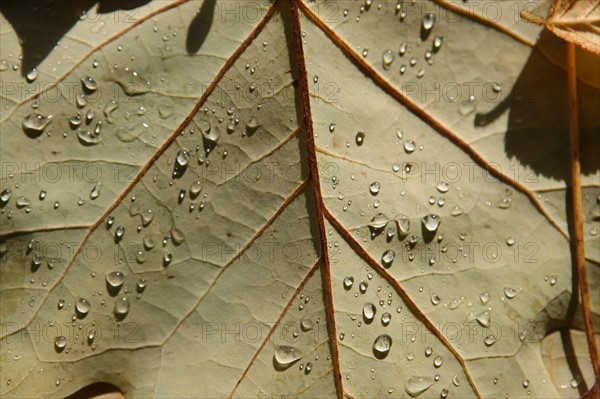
381,346
415,386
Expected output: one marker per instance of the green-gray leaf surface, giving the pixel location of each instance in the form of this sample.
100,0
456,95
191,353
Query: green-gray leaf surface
173,224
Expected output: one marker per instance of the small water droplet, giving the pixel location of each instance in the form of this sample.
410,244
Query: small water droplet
114,281
409,146
489,340
431,222
121,308
374,188
438,41
437,362
348,282
360,138
510,292
388,258
89,84
386,318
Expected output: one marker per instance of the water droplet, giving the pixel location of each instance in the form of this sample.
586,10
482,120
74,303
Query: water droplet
167,257
525,383
285,356
403,224
381,346
483,318
388,258
403,48
88,138
456,211
386,318
435,298
114,281
141,284
369,311
437,362
362,287
553,279
490,340
32,75
183,158
89,84
378,223
119,232
443,187
35,124
510,292
415,386
95,193
360,138
210,135
431,222
177,236
438,41
409,146
387,59
374,188
82,306
60,343
348,282
306,323
484,298
121,308
510,241
5,196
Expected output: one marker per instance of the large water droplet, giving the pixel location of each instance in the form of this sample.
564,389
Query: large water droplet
510,292
437,362
360,138
374,188
34,124
211,136
387,59
431,222
369,311
60,343
438,41
114,281
285,356
121,308
82,306
388,258
95,193
483,318
5,196
415,386
88,138
348,282
378,223
183,158
306,323
89,84
409,146
381,346
428,21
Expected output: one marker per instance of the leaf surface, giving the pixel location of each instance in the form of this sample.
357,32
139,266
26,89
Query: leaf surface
328,199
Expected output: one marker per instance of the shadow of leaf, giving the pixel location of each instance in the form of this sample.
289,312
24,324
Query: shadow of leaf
538,123
41,25
200,26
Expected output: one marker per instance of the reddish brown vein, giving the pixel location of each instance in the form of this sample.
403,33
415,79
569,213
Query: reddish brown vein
239,253
403,294
230,61
277,322
42,229
369,71
314,174
577,240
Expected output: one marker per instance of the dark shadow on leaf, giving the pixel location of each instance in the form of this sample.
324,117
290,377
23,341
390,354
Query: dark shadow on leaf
96,390
538,126
200,26
40,25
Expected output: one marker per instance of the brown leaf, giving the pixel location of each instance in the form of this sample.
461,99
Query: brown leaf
576,21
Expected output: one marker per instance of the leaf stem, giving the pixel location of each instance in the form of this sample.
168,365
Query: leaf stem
577,241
